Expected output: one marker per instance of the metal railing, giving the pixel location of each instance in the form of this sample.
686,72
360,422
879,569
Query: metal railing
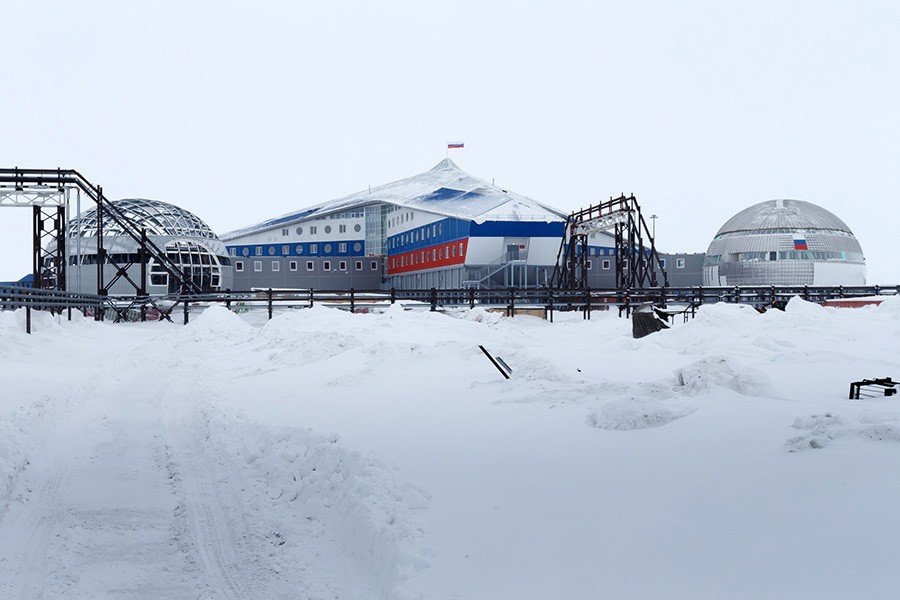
510,300
13,297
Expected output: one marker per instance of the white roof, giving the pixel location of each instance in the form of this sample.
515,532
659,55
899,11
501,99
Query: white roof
444,190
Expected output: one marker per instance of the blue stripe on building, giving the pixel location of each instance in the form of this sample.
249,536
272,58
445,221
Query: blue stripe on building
327,248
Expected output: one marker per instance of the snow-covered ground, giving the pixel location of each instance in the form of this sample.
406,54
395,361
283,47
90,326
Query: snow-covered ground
324,454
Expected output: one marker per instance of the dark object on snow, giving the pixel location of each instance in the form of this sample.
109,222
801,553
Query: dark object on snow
498,362
886,384
646,320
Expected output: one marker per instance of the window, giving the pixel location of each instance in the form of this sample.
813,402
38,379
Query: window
299,231
327,248
357,247
342,266
292,265
246,251
271,250
239,266
359,265
259,250
328,229
326,266
285,231
342,229
605,264
357,228
662,263
231,251
460,248
313,248
299,249
312,230
257,265
590,265
679,263
453,250
342,247
374,265
276,266
285,250
310,265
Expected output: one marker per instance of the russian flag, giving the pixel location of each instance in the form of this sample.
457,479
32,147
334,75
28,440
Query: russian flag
455,144
800,245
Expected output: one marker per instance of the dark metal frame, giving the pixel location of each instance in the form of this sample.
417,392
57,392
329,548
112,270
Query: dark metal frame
49,270
634,260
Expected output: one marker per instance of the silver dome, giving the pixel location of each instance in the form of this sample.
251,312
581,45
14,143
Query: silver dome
784,242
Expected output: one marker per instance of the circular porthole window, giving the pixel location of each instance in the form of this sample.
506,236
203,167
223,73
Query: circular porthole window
357,228
328,229
327,247
357,247
271,250
299,231
245,252
299,249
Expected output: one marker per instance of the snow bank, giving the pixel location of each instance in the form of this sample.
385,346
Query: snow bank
634,413
725,372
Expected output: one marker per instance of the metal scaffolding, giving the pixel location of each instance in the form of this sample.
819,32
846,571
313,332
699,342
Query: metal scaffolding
636,258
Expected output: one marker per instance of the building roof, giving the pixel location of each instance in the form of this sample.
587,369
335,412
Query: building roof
445,190
783,215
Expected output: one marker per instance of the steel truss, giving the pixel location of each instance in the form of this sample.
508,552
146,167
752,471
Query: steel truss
47,192
635,249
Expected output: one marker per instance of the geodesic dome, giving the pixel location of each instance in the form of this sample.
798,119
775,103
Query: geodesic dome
186,239
158,218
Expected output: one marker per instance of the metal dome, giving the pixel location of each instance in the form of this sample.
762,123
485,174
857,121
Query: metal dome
159,218
783,214
784,242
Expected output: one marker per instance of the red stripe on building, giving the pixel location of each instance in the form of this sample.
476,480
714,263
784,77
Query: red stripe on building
432,257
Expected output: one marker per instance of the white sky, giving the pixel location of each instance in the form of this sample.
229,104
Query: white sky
242,111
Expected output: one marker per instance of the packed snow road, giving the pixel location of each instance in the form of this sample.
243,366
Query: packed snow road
125,483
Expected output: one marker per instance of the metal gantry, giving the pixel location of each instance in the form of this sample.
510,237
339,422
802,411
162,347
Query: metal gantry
47,191
636,258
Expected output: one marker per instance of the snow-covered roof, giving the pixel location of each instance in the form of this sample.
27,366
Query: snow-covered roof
445,190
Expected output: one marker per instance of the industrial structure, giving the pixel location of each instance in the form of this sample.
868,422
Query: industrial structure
784,242
187,241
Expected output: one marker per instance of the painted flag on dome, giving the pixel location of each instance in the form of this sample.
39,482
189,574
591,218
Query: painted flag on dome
800,244
454,145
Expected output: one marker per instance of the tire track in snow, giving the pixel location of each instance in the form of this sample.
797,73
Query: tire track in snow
214,528
29,525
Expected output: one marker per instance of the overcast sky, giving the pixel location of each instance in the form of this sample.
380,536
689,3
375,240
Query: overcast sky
241,111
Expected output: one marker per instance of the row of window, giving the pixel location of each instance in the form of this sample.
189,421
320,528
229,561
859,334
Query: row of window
313,229
286,249
713,259
422,233
404,218
679,264
275,265
196,258
427,256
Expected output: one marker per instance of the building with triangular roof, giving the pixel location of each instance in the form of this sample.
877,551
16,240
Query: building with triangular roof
443,228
